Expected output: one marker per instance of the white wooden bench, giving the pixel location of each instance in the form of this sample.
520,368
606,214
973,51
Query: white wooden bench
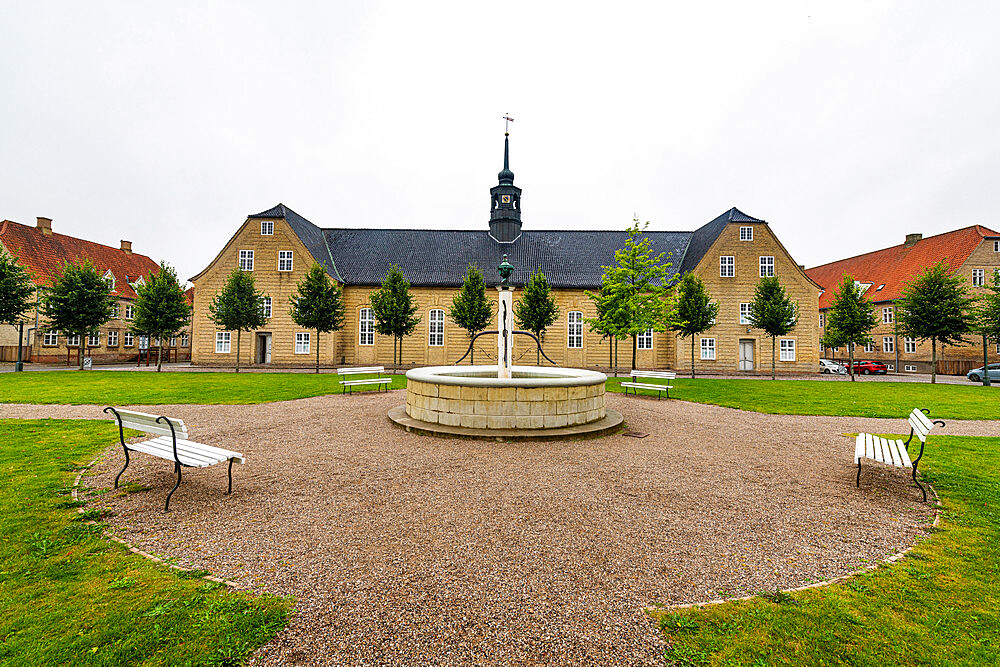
366,370
896,452
171,445
652,386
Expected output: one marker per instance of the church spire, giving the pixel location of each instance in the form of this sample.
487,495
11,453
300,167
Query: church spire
506,176
505,212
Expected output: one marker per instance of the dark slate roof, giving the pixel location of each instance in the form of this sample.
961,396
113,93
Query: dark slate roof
703,237
439,258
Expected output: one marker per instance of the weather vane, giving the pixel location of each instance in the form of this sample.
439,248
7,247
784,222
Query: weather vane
507,121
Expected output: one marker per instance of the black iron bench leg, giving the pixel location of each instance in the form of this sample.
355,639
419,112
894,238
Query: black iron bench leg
857,483
123,468
922,489
230,477
177,468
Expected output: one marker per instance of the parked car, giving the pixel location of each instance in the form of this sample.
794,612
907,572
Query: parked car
976,374
827,366
864,367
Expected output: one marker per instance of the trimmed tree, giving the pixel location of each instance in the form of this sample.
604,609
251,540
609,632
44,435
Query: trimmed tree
470,309
611,321
238,307
536,310
318,304
987,321
16,289
936,306
695,311
161,309
78,301
850,319
392,306
772,311
639,283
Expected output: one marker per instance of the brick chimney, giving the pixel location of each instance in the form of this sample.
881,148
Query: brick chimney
127,247
911,240
44,224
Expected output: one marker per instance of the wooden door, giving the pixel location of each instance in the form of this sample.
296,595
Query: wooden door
746,355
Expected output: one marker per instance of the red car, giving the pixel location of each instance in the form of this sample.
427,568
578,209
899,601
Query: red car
867,367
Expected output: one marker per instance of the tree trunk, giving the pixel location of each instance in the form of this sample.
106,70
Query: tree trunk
616,355
773,343
238,331
472,350
79,352
634,343
611,352
692,356
850,355
538,349
400,339
159,357
317,351
986,364
934,360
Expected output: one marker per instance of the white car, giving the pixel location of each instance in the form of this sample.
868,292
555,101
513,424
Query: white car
827,366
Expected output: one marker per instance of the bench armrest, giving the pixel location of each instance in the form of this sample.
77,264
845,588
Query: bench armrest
173,436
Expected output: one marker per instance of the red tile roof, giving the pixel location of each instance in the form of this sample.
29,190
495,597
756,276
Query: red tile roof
43,255
895,266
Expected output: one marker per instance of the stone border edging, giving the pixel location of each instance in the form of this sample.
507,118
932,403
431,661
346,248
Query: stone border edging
131,547
819,584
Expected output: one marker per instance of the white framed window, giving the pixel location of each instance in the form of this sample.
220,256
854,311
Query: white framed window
435,328
139,282
909,345
822,320
112,339
94,340
746,233
115,310
73,341
156,342
246,260
184,340
869,347
890,367
129,312
996,246
708,348
143,342
887,315
786,349
302,342
574,329
267,306
744,313
109,278
644,341
173,341
223,341
128,339
284,260
888,343
910,368
766,266
366,327
267,227
978,277
727,266
50,339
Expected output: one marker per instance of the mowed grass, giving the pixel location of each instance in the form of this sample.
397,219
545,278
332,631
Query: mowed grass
938,606
851,399
148,388
69,596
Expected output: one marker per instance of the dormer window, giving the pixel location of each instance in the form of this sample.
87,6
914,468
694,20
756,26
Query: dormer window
267,227
109,278
139,282
746,233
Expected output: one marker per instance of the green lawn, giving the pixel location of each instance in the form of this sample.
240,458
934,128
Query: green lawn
938,606
852,399
147,388
70,596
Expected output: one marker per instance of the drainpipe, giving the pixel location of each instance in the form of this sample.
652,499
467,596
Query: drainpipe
895,335
18,367
986,365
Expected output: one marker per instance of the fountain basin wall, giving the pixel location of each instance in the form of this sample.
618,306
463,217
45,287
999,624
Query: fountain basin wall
534,398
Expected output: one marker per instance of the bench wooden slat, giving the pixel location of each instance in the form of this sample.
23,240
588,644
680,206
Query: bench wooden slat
662,375
159,450
904,455
368,381
924,419
199,449
360,370
859,447
894,452
870,447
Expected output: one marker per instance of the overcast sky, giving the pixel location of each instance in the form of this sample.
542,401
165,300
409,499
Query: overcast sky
844,125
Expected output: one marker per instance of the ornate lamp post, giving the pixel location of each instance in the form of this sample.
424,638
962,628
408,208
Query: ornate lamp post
505,320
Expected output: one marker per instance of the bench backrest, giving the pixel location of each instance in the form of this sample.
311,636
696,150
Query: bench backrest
142,421
662,375
360,371
921,424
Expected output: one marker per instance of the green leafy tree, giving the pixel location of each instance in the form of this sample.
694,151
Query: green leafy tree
611,320
238,307
850,319
772,311
639,284
161,309
78,301
318,304
392,306
936,306
695,311
470,309
536,310
16,289
987,320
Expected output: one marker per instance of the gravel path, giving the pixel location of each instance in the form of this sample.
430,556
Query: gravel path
404,548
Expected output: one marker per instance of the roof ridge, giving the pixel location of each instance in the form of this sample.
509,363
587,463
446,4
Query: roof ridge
81,240
486,231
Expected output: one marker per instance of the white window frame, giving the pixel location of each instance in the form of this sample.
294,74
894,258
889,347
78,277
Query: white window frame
786,349
435,327
644,341
890,367
767,266
282,259
73,341
94,340
303,342
366,327
745,313
184,340
267,306
173,341
822,320
978,277
109,278
887,315
746,233
909,345
996,246
246,260
112,338
707,349
727,266
128,339
888,344
50,339
869,347
909,368
223,342
115,311
267,227
574,329
129,311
